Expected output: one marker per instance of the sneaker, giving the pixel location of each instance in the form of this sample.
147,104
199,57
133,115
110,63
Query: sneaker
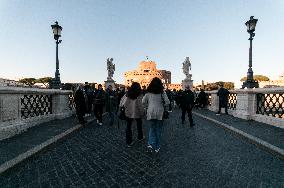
157,150
129,145
218,114
100,123
149,149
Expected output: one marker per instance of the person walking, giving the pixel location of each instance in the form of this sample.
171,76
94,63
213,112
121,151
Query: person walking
223,99
80,104
120,94
132,102
111,103
153,99
202,99
99,102
187,104
89,102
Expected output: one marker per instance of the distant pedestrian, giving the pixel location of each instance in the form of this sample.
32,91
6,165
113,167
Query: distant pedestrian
99,102
223,99
170,97
144,90
187,104
89,102
154,101
202,99
120,94
80,104
132,102
111,103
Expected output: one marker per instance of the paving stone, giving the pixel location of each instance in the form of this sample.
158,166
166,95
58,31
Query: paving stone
200,156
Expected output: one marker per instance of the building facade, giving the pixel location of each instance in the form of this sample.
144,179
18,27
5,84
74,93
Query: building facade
146,71
273,83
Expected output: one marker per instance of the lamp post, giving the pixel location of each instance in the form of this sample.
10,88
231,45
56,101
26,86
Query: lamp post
250,82
56,83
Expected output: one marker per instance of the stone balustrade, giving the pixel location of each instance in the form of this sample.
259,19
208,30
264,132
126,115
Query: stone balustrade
21,108
260,104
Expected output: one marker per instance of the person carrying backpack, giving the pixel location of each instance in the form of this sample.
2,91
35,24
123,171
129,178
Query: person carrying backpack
186,104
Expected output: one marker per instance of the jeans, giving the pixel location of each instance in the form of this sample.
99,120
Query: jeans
129,130
155,133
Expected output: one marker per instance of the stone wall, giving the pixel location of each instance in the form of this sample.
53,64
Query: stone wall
21,108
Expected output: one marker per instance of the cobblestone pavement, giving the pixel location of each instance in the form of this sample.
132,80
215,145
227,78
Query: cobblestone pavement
202,156
271,134
12,147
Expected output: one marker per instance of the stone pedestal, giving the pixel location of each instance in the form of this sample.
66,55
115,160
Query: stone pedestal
110,82
187,82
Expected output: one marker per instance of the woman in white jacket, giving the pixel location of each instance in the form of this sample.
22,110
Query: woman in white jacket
132,101
155,109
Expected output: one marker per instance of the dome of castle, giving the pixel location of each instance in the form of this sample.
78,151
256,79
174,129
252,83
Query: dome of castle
147,65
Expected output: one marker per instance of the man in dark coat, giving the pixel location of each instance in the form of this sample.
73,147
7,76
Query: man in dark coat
202,99
223,99
89,93
111,103
80,103
99,101
120,94
186,104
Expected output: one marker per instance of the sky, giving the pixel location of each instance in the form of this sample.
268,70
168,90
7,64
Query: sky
212,33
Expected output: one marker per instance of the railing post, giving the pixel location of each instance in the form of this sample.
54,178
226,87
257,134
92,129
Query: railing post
10,107
214,102
246,104
60,105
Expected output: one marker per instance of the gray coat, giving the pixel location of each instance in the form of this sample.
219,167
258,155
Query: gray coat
155,106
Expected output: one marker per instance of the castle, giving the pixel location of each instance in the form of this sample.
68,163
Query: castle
146,71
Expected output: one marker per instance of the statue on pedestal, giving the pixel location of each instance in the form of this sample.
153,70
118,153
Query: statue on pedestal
110,68
186,66
187,82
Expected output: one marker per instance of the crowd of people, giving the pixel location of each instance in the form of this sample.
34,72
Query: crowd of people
139,102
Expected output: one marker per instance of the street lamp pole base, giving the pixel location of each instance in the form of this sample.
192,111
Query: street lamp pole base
55,84
250,84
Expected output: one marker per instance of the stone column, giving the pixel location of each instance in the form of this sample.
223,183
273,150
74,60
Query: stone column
214,102
60,105
246,105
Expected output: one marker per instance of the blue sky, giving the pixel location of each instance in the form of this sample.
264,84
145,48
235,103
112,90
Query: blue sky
211,33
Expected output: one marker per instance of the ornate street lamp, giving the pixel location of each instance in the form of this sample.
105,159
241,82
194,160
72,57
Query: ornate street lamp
250,82
56,83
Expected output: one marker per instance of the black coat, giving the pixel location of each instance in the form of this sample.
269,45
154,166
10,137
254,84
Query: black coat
80,101
187,99
223,97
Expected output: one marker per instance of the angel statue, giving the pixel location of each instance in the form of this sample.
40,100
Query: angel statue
186,66
110,68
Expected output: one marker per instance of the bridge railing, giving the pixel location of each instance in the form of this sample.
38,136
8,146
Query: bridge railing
260,104
21,108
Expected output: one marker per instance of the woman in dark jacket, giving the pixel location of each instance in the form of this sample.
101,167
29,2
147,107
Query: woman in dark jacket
132,102
80,103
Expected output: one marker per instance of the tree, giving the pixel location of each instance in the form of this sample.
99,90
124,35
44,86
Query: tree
229,85
257,77
44,80
28,81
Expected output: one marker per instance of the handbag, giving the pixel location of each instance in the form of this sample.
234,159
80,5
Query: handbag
166,114
121,114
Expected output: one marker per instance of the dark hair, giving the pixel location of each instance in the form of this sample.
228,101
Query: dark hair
156,86
134,90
